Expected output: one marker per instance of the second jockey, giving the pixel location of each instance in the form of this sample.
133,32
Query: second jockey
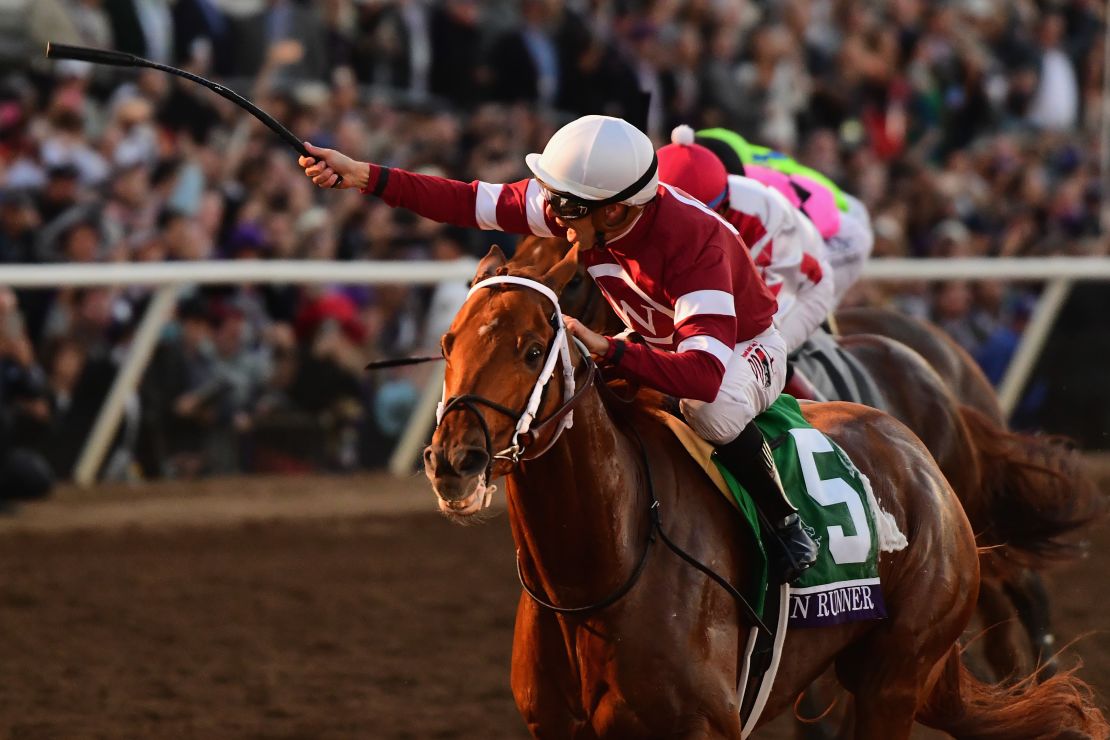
843,220
670,268
786,246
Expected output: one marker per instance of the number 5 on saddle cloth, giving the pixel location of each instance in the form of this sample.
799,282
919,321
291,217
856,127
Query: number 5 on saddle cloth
833,497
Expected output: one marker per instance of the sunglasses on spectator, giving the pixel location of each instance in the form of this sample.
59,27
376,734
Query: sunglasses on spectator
568,207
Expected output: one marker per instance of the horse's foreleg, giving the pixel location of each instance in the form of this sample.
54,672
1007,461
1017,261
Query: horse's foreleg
889,673
811,709
885,684
995,612
543,694
1030,598
886,714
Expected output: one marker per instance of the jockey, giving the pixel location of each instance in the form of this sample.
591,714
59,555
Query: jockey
668,266
786,247
842,219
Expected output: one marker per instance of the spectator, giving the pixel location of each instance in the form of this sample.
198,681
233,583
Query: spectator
24,411
968,128
524,63
1055,104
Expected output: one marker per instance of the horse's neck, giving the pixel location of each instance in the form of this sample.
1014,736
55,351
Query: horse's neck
579,512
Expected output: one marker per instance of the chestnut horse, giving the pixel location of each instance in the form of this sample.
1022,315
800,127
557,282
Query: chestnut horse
1023,494
659,655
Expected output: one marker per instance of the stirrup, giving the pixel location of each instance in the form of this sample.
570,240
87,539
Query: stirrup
798,550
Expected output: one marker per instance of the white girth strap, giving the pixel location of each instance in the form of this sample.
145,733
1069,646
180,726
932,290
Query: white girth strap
560,350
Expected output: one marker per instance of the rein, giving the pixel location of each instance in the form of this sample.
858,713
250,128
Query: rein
655,531
470,402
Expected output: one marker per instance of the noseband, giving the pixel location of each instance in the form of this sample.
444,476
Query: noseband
524,433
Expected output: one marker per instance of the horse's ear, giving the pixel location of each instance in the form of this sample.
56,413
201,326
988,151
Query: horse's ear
562,271
488,267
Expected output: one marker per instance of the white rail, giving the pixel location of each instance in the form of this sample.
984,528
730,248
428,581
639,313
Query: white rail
427,272
982,268
1059,272
233,271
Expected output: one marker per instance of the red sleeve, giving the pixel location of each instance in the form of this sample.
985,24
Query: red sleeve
437,198
517,207
695,375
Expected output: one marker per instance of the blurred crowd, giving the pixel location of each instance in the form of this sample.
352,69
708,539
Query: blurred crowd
968,127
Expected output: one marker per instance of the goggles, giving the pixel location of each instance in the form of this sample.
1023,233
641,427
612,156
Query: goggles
570,207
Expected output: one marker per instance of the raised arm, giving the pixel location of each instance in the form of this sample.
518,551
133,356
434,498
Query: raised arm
516,207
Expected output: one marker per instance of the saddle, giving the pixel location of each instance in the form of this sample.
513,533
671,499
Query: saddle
834,373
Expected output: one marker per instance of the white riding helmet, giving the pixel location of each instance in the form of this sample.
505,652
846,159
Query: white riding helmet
597,158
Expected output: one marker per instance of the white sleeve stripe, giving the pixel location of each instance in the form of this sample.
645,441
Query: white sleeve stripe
533,202
717,302
703,343
485,207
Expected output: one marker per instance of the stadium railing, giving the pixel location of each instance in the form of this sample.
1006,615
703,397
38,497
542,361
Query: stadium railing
167,279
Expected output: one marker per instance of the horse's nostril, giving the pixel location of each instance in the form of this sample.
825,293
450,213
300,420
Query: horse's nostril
470,460
435,461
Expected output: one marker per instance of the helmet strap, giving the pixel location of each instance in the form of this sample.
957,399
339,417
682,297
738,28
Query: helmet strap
635,187
599,240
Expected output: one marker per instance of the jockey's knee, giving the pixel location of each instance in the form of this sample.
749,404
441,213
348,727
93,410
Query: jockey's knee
753,379
719,422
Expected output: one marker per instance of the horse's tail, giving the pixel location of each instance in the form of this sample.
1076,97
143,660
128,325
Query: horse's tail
1035,492
961,705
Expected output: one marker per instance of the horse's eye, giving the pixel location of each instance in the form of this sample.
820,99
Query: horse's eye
533,354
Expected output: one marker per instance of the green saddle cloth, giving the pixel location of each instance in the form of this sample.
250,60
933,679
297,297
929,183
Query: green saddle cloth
840,512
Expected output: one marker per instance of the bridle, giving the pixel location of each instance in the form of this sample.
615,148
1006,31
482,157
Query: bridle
527,430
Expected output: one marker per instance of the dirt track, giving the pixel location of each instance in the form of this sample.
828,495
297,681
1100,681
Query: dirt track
293,608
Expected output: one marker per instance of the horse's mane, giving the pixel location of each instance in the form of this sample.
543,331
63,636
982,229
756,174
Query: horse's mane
524,271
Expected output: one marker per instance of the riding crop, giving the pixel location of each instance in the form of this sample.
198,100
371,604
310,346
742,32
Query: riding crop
123,59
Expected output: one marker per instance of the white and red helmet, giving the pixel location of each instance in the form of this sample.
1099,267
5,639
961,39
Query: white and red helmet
693,168
599,159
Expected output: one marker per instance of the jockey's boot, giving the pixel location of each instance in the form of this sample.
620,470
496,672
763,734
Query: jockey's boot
748,457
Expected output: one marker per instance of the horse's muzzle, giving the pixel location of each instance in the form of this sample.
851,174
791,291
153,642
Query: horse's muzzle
461,461
457,475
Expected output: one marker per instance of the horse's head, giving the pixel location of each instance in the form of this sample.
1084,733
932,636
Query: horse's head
502,353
